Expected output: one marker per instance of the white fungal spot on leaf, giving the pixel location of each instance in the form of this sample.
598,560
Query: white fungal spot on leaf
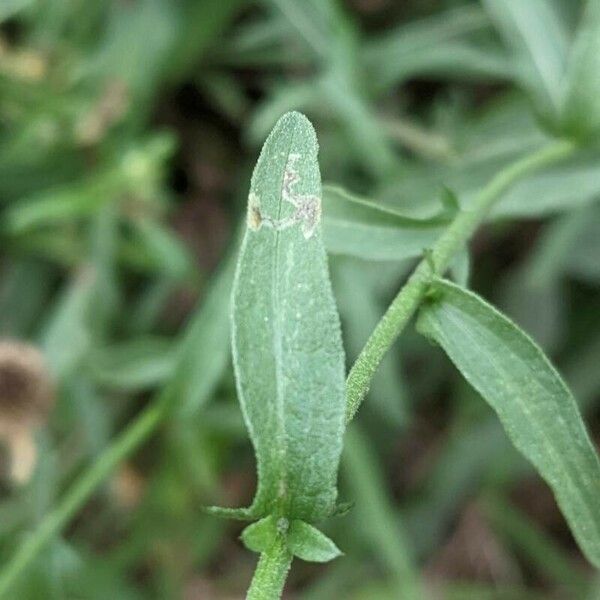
254,217
307,207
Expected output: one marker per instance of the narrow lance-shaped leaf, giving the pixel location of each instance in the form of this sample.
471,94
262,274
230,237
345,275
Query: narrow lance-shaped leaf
287,347
533,403
356,227
538,39
581,109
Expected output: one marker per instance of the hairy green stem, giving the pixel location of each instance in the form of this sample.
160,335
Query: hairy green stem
435,263
271,572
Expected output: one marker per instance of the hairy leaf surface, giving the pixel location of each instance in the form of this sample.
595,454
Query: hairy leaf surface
287,347
533,403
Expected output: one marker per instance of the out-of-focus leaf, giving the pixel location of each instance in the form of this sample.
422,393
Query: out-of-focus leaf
538,548
581,256
9,8
376,516
582,100
456,474
550,257
442,45
538,307
481,591
310,21
59,205
138,172
135,365
535,33
205,348
24,290
357,227
572,184
124,53
159,246
294,96
67,337
533,403
200,23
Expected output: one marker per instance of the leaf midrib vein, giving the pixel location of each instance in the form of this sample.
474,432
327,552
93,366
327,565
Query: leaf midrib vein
561,464
278,342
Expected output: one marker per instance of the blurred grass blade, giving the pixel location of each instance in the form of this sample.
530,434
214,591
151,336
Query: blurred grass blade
200,23
439,44
287,347
375,513
24,291
63,204
67,336
533,403
539,41
533,543
582,101
304,17
204,352
162,247
357,227
134,365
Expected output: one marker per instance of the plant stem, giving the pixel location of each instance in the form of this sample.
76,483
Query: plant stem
54,522
453,239
271,572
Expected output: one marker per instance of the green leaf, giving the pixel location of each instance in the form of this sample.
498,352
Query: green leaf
533,403
537,37
443,44
381,529
357,227
204,352
9,8
449,201
303,540
287,349
134,365
162,248
308,543
70,320
582,100
259,536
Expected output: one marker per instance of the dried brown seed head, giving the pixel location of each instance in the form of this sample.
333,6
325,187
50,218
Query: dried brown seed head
26,391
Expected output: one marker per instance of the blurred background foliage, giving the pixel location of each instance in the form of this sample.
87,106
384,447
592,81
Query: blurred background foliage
128,130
